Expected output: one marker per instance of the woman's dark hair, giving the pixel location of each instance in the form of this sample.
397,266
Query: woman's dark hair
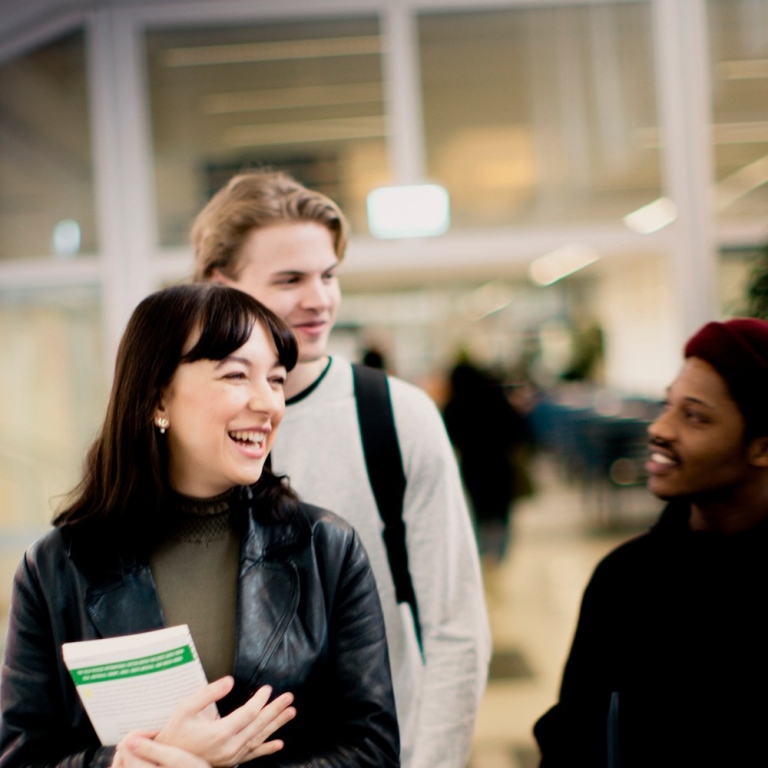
126,469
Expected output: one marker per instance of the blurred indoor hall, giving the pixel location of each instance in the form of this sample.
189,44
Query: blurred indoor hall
533,602
599,174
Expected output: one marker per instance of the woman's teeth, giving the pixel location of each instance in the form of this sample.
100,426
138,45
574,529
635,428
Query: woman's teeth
252,438
660,458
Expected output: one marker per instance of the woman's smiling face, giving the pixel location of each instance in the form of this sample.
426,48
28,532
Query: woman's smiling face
222,417
697,443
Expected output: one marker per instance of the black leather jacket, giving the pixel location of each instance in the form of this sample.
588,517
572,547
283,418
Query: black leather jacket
309,622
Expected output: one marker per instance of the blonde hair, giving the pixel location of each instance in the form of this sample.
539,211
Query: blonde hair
250,201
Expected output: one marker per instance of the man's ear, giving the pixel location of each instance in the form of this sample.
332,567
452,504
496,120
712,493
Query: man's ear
758,451
218,277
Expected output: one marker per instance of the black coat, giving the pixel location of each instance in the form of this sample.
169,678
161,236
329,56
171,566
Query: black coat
309,622
669,664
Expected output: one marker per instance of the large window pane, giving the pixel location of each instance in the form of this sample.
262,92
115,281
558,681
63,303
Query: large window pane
421,331
540,116
738,32
306,97
52,394
46,175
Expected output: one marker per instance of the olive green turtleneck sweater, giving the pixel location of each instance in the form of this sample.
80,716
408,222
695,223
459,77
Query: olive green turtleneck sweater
196,572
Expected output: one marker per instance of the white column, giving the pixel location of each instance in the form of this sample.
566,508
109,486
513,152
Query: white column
402,88
123,163
685,115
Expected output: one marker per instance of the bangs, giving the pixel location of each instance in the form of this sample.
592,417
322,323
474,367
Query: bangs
225,325
226,322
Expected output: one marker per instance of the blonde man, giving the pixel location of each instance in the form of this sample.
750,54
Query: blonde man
273,238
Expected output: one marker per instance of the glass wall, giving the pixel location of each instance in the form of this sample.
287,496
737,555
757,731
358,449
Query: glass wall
541,116
52,397
46,174
738,31
535,114
420,332
305,97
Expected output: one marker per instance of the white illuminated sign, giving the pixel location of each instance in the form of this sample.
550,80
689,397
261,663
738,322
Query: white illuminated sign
417,210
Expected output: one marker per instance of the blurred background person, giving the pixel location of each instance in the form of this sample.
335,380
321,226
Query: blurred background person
489,435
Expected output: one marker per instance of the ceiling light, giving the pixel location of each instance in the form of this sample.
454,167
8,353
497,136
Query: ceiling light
752,132
308,132
561,262
65,239
292,98
741,183
486,300
743,69
415,210
282,50
652,217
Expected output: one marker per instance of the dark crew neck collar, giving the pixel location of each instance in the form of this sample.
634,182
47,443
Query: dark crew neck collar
299,396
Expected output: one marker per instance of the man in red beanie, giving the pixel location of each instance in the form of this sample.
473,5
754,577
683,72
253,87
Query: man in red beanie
669,663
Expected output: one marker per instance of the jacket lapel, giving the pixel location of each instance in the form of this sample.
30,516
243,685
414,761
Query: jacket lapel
125,601
269,597
125,604
269,594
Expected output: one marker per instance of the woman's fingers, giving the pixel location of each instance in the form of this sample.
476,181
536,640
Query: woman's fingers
278,715
245,715
275,709
257,720
232,739
257,717
200,700
123,757
267,748
145,753
269,719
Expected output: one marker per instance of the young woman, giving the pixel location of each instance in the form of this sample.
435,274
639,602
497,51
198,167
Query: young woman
177,521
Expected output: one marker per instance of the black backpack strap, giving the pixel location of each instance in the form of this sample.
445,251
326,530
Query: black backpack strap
384,463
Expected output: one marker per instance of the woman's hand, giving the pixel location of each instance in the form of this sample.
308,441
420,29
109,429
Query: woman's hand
138,750
240,736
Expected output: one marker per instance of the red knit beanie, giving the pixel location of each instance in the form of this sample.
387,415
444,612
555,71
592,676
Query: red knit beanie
738,350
